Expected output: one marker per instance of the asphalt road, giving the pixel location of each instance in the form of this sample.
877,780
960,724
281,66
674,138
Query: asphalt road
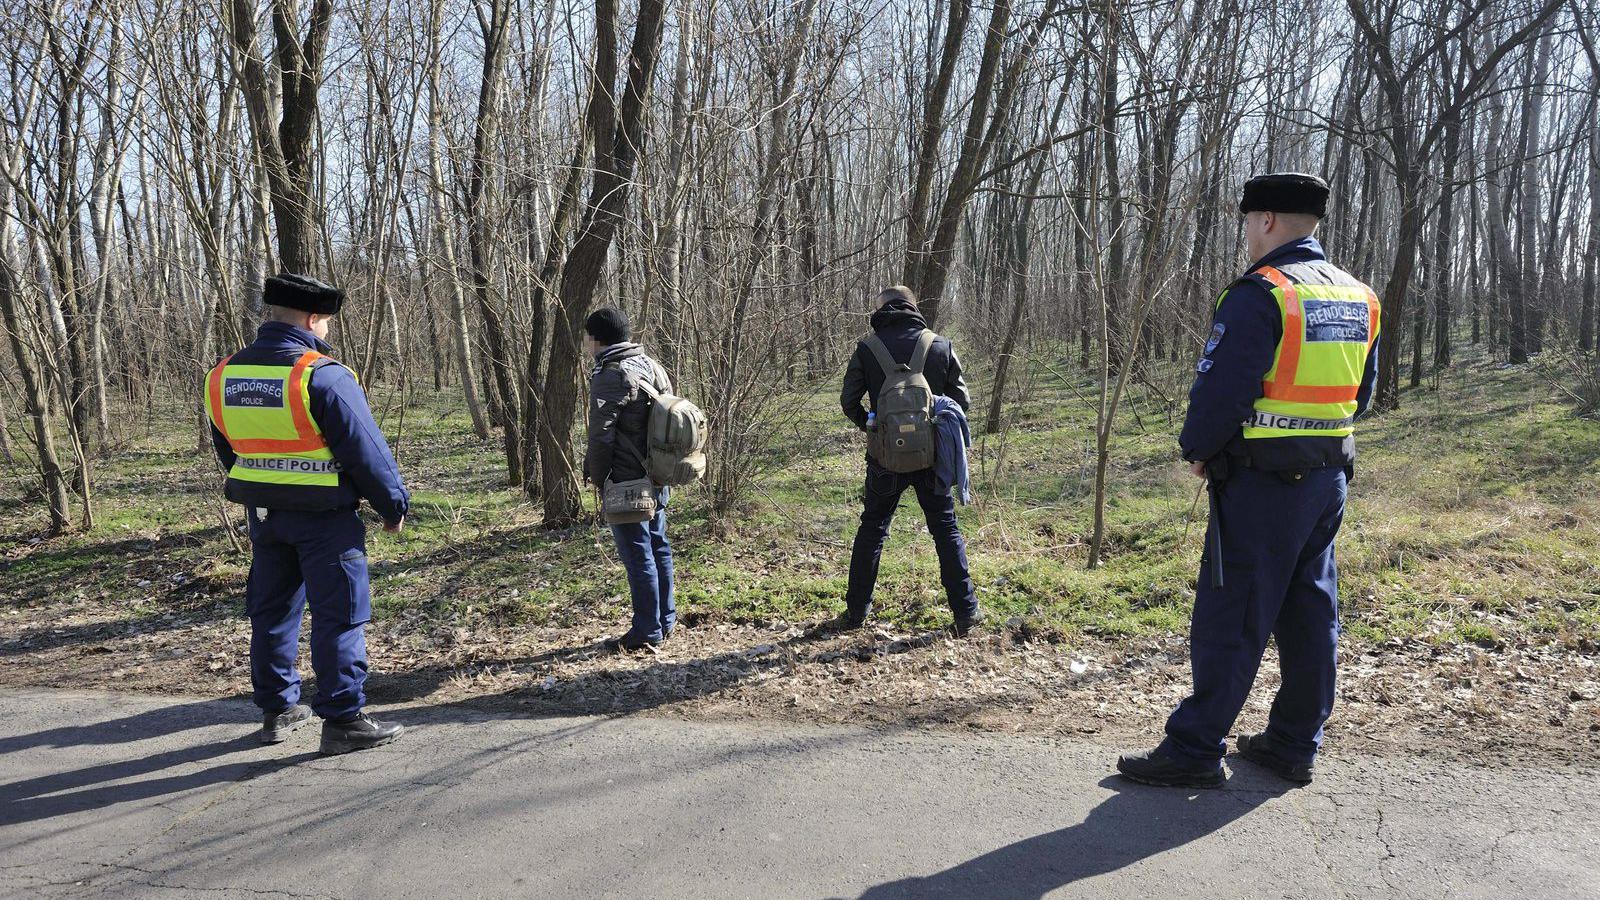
128,796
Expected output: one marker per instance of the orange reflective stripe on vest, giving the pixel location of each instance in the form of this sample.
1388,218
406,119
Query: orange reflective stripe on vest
1283,386
216,396
308,438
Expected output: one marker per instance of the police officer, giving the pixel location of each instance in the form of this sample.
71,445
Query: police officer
293,429
1291,357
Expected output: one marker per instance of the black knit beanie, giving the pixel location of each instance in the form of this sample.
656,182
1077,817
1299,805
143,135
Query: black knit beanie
607,325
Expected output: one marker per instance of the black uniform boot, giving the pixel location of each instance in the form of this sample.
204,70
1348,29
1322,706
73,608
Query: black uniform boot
1167,770
360,733
1260,749
275,727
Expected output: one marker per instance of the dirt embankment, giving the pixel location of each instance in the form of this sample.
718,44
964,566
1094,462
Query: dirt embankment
1512,703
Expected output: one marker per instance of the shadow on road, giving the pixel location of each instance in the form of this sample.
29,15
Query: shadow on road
1136,823
150,723
608,691
104,786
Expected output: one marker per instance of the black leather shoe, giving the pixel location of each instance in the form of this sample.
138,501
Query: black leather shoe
630,641
1259,749
275,727
361,733
849,620
1165,770
964,624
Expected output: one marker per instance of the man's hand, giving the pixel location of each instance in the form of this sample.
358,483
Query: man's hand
1197,469
394,527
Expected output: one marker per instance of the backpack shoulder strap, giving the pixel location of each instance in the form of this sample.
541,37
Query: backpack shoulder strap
644,381
881,352
640,381
919,356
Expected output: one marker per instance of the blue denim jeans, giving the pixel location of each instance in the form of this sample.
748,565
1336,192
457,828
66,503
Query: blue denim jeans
880,497
647,556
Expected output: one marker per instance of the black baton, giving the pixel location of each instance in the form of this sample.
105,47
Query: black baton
1214,533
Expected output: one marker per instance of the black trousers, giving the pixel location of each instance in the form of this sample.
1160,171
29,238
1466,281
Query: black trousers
879,500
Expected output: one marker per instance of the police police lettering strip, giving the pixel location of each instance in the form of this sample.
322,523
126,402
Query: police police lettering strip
1263,419
289,464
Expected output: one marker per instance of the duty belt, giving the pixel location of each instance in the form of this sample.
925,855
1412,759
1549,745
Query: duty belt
289,464
1263,419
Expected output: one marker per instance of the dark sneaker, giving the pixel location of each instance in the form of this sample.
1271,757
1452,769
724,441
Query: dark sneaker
630,641
275,727
1258,748
1166,770
849,620
964,624
361,733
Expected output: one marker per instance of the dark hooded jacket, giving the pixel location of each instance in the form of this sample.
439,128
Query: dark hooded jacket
619,410
898,324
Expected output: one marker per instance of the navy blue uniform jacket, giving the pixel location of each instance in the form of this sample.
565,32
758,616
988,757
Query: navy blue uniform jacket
340,409
1246,329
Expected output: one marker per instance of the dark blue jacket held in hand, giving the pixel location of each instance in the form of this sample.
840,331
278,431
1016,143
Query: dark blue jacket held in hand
1246,329
951,437
339,406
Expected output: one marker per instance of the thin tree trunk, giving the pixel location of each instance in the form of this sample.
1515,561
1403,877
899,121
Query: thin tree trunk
618,144
495,29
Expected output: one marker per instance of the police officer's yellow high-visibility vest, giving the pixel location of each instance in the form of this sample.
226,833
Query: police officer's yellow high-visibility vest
1330,321
265,413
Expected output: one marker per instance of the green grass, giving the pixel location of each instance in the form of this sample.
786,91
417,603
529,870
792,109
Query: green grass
1472,520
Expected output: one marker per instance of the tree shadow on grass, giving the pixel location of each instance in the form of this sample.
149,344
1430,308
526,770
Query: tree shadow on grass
62,568
47,637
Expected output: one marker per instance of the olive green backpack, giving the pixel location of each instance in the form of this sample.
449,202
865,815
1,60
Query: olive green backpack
902,438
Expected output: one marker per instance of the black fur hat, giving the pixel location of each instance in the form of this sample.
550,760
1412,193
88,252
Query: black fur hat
1285,192
303,293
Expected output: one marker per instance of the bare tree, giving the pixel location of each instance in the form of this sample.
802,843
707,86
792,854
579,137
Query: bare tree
1405,50
618,136
284,142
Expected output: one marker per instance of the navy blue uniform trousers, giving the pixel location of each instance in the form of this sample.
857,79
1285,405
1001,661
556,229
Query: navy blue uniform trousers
880,497
316,559
1279,581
